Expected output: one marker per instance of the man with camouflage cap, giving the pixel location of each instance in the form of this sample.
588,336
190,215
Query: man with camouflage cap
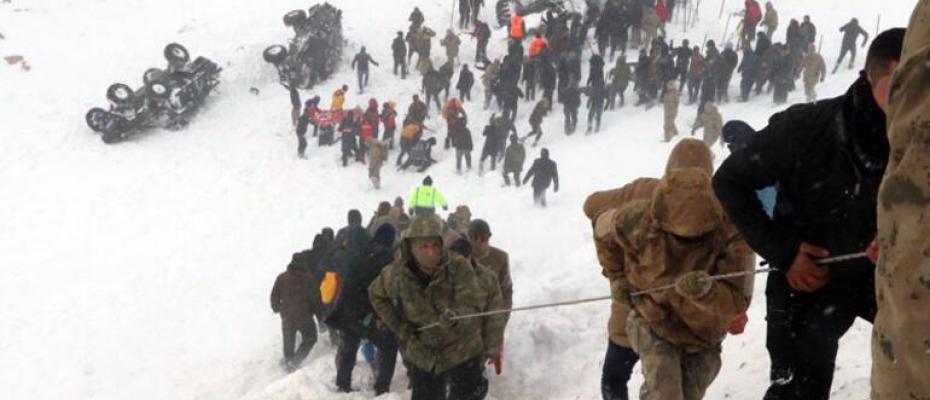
620,358
678,236
901,338
417,296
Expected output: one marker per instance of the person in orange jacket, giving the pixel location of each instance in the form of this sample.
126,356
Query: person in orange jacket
517,27
538,44
339,98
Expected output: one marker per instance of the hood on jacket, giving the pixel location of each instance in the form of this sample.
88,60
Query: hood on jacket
690,153
684,204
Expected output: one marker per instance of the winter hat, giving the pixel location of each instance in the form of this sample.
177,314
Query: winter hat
684,204
737,132
354,217
327,233
461,246
479,228
690,153
428,181
385,235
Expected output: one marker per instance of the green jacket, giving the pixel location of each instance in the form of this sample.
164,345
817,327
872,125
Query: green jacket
405,299
426,197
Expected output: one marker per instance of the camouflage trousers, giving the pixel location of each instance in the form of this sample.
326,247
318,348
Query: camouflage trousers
670,129
810,89
669,372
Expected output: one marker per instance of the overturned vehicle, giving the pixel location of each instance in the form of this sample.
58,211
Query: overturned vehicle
505,8
314,53
167,97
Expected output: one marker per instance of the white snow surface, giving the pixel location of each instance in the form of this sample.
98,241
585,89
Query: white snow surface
142,270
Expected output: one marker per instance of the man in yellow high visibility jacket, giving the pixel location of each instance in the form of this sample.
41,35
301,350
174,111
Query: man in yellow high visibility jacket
425,198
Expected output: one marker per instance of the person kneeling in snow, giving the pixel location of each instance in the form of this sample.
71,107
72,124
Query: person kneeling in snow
421,155
428,285
679,236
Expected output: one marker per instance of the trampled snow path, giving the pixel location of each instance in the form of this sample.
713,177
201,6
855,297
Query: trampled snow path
142,270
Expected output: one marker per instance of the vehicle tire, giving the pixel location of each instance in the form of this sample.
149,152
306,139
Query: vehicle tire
158,89
97,119
111,137
152,75
176,53
119,93
275,54
295,18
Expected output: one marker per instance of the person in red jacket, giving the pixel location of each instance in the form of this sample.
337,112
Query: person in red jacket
372,116
389,119
663,12
292,298
751,18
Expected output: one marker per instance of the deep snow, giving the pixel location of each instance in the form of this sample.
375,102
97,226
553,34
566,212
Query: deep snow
142,270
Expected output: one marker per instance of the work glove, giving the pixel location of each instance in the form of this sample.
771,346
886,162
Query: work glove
497,362
621,292
447,320
694,285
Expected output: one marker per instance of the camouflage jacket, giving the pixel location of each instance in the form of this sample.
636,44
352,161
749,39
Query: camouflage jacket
901,339
406,300
641,243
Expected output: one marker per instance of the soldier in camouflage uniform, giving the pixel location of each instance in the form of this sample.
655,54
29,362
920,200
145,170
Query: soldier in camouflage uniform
670,103
815,70
620,359
901,338
678,236
712,123
479,236
426,286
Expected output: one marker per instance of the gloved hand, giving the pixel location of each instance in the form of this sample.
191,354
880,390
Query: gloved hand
497,362
694,285
447,320
621,292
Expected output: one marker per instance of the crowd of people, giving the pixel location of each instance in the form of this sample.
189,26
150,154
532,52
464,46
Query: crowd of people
384,283
804,188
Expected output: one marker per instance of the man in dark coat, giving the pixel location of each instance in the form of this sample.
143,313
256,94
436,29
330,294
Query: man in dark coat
851,32
292,298
808,31
493,137
399,51
571,101
749,70
350,312
828,159
482,34
544,172
465,83
380,255
726,64
362,61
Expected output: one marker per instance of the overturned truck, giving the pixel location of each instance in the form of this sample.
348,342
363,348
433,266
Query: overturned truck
167,96
313,54
506,8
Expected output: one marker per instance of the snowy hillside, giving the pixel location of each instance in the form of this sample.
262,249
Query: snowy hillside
142,270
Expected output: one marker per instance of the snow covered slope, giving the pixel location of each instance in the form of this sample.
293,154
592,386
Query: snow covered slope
142,270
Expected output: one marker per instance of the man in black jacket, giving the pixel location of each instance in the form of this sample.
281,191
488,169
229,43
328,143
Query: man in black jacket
543,172
851,32
362,59
827,159
399,50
